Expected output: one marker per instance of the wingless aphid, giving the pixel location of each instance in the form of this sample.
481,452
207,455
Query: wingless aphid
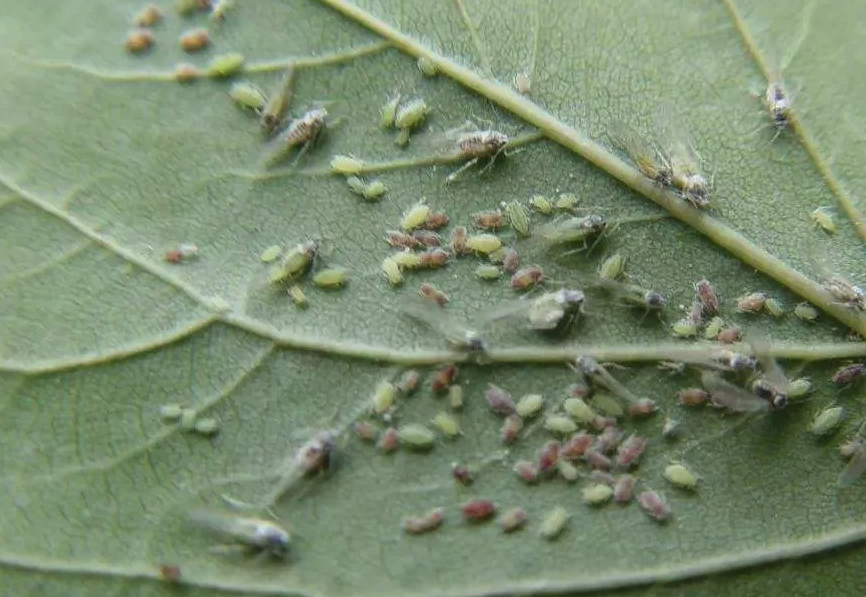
849,374
257,535
457,335
478,145
302,132
409,116
295,263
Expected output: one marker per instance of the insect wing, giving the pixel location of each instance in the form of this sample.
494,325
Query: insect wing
730,396
602,376
433,317
773,373
676,140
854,469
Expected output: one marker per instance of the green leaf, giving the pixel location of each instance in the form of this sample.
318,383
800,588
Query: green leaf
107,162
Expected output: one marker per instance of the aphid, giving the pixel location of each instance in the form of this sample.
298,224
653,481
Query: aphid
206,427
396,238
679,476
346,164
583,230
512,426
194,40
148,16
684,328
692,397
751,303
597,494
612,267
607,404
384,397
295,263
333,277
530,406
623,489
527,471
416,216
707,295
389,112
560,425
316,454
260,535
301,132
527,278
483,243
170,412
733,398
183,253
459,236
456,335
827,421
185,72
170,573
489,220
187,7
462,474
608,440
517,217
580,389
510,261
696,314
599,476
523,83
436,220
455,397
389,441
139,41
548,457
427,67
443,379
499,400
488,272
356,184
374,190
271,254
409,116
846,293
851,447
541,204
579,410
577,446
714,328
425,523
630,451
736,361
365,431
188,417
431,293
392,271
592,370
730,335
642,408
220,9
566,202
567,471
633,295
683,160
799,387
855,467
773,385
298,296
513,519
774,307
416,437
597,460
277,105
849,374
434,258
648,159
427,238
478,510
409,382
476,145
655,506
824,220
554,523
778,104
446,424
806,312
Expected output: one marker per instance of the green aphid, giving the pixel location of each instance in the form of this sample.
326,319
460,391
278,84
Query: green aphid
684,328
822,219
278,103
806,312
541,204
607,404
597,494
206,427
356,185
346,164
295,263
416,216
554,523
389,112
566,202
560,425
827,421
298,296
333,277
483,243
714,327
774,307
530,406
446,424
374,190
271,254
427,67
384,398
455,397
574,230
579,410
409,116
517,217
567,471
612,267
416,437
247,96
800,387
188,418
170,412
679,476
225,65
488,272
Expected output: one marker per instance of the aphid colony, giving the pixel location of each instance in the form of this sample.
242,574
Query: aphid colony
141,38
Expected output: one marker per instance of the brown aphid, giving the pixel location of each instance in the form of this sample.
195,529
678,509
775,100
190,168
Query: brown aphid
548,457
194,40
459,236
183,253
752,303
300,132
597,460
510,261
139,41
366,431
623,489
170,573
513,519
499,400
849,374
526,278
427,238
631,450
512,426
580,389
462,474
425,523
730,335
443,379
389,441
601,423
696,314
526,470
492,219
436,220
643,407
478,510
409,382
434,258
184,72
608,440
396,238
693,397
148,16
654,506
431,293
707,296
577,446
845,292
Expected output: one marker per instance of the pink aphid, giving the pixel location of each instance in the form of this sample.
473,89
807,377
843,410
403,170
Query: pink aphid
499,400
602,477
693,397
478,510
597,460
577,446
389,441
608,440
601,423
526,470
548,457
654,506
511,428
631,450
642,407
462,474
425,523
623,489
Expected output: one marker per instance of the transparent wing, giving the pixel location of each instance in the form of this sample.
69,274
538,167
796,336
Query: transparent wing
773,373
226,525
730,396
423,311
854,469
517,308
631,142
674,137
